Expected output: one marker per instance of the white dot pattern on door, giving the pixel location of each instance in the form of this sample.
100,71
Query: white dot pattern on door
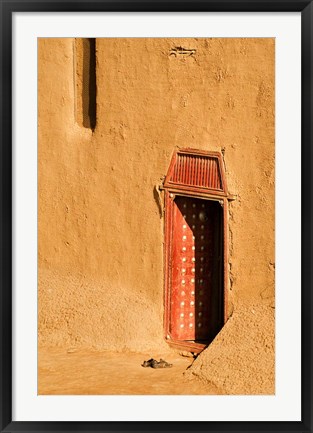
192,258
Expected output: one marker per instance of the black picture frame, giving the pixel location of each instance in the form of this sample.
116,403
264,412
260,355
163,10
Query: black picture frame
7,8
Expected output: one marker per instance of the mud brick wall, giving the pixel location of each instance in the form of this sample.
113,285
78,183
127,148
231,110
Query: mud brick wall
110,114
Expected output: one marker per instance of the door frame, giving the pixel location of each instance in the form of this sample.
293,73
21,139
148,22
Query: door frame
170,195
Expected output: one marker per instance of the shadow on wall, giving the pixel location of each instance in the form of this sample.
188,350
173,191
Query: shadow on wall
86,88
158,200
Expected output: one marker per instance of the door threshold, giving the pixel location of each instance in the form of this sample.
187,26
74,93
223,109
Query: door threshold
189,345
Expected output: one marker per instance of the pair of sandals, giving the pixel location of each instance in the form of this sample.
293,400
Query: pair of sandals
153,363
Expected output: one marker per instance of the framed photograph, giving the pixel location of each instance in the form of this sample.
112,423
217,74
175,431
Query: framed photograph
156,216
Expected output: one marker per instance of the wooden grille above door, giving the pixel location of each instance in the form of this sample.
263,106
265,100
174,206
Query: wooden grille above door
195,170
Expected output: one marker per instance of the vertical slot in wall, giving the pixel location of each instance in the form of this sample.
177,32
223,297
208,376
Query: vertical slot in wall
85,82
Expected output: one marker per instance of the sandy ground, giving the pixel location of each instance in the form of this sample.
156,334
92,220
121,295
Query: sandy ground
74,372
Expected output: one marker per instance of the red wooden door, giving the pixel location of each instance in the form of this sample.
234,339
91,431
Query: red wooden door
196,289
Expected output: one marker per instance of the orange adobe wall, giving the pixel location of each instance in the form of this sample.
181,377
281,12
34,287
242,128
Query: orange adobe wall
100,221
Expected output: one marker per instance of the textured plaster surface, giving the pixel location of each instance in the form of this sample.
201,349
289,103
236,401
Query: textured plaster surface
240,360
100,230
